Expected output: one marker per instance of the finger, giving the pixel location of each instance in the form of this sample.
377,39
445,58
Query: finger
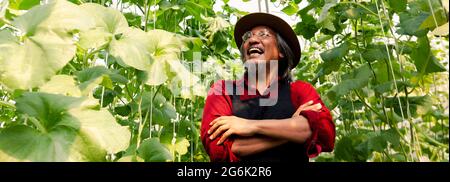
219,130
302,107
224,136
215,120
215,126
315,107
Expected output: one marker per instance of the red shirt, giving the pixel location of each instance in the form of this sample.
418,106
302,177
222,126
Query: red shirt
321,123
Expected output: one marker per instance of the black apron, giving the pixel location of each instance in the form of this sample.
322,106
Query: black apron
251,109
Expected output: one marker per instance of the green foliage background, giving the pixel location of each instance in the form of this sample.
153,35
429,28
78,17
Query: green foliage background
102,80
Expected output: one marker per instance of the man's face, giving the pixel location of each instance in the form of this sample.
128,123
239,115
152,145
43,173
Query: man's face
260,45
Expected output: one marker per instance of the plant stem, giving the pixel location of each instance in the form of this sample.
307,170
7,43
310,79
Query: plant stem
101,99
7,104
38,124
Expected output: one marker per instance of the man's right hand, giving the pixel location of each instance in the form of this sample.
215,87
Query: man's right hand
309,106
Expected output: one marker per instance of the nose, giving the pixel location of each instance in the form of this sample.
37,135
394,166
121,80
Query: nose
253,40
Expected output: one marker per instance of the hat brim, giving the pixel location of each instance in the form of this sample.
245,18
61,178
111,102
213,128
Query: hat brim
277,24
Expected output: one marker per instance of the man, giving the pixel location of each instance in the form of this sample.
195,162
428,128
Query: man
237,127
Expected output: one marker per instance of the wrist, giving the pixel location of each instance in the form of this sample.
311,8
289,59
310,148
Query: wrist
253,126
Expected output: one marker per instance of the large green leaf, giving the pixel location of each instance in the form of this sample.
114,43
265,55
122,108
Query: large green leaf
110,20
417,105
130,49
151,150
91,77
332,59
45,47
108,23
101,129
358,146
59,16
30,63
61,84
64,131
166,48
424,59
409,24
335,53
435,20
378,52
163,111
23,143
354,80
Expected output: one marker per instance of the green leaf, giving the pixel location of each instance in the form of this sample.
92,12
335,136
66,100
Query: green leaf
133,19
61,84
194,9
45,47
22,143
108,19
100,129
377,52
29,64
434,20
389,86
307,27
327,16
23,4
94,38
418,105
398,5
91,77
354,80
354,13
58,16
108,23
151,150
424,59
290,9
383,71
409,24
165,48
131,49
65,131
352,147
219,41
180,147
49,109
163,111
335,53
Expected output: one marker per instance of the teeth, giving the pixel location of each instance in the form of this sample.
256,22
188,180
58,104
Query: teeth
258,50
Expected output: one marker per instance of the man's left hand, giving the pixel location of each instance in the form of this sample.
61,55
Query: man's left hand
229,125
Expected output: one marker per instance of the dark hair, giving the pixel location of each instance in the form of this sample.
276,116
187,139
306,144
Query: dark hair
285,64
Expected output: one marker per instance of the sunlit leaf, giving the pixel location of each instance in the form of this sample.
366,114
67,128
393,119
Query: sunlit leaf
29,63
64,131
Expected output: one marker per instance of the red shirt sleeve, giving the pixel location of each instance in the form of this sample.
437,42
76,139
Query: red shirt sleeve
217,104
321,123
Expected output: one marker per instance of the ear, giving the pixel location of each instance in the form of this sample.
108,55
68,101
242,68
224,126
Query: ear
281,55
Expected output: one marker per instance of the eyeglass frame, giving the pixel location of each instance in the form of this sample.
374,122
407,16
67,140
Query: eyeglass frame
263,34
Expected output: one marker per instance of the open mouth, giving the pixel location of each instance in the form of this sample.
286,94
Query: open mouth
255,51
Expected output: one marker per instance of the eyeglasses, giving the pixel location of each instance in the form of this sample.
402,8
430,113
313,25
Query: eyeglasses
263,34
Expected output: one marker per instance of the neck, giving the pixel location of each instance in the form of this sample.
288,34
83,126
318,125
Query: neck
263,81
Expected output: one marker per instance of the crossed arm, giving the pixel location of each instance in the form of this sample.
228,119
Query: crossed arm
315,129
257,136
